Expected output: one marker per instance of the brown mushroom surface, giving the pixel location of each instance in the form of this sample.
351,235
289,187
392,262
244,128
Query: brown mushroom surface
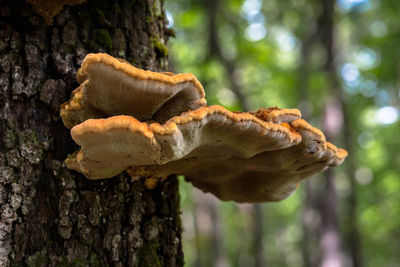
156,124
267,176
235,156
212,132
110,86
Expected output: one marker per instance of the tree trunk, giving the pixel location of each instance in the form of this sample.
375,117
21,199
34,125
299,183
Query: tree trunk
330,234
308,225
259,257
353,236
51,216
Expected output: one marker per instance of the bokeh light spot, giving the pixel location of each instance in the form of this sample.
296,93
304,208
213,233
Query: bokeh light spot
364,175
350,74
386,115
366,58
255,32
378,29
251,7
170,19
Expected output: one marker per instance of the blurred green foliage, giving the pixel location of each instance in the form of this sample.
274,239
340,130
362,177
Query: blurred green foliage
264,41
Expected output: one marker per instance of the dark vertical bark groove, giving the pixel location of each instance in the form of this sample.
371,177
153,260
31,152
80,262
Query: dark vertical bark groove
51,216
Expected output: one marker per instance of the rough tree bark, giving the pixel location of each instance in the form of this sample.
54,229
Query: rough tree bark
51,216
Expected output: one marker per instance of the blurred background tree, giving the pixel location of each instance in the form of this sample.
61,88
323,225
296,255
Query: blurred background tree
338,62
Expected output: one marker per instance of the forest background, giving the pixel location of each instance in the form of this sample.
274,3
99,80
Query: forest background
338,62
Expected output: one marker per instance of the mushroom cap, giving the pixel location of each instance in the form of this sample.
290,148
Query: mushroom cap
233,155
267,176
277,115
111,86
75,111
211,132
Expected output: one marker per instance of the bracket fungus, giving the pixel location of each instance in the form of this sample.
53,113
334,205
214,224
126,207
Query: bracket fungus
111,86
157,124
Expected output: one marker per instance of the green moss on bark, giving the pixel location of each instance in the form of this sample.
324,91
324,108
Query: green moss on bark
148,255
103,37
160,48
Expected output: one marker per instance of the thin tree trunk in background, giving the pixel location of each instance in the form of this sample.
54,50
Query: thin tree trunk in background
330,240
353,235
217,243
308,212
217,236
213,8
308,224
209,231
51,216
258,236
198,259
325,28
330,236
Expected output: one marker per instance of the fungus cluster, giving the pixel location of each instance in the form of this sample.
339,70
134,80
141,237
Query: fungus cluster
156,124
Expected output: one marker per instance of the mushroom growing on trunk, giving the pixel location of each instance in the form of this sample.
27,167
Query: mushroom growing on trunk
111,86
156,124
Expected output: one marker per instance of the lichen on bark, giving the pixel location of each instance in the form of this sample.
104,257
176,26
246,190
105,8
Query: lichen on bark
51,216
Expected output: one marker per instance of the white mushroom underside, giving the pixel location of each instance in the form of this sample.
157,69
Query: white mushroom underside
116,93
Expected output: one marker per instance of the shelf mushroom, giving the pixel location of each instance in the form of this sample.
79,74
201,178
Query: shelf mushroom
111,86
235,156
241,156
